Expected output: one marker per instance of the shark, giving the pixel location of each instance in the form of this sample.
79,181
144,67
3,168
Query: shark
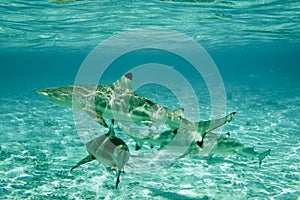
109,151
160,139
118,101
224,145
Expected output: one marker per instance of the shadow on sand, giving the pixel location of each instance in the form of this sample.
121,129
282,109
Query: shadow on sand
173,195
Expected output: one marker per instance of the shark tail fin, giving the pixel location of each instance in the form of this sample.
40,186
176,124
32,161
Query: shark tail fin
210,125
262,155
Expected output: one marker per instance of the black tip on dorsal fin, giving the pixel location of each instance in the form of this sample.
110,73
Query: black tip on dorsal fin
137,147
113,121
200,143
175,131
228,133
129,76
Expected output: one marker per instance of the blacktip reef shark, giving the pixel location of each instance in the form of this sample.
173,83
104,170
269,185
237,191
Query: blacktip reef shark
160,139
211,144
109,151
225,145
118,101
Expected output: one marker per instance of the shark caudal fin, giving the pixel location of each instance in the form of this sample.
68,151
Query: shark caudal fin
262,155
210,125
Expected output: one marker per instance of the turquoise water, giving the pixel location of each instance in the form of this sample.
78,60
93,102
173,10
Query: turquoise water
255,45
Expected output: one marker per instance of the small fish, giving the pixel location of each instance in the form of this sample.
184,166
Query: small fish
109,151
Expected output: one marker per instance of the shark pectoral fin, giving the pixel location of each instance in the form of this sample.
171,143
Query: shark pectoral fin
89,158
97,117
118,178
101,121
262,155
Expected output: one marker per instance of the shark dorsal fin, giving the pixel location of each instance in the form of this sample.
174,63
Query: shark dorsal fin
179,112
124,83
111,131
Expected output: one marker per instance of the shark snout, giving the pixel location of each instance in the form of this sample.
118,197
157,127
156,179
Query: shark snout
58,95
42,92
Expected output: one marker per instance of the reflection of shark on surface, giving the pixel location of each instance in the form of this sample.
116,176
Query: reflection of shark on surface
108,150
118,101
224,144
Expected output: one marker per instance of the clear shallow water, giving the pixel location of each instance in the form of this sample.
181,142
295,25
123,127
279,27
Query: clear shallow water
39,144
255,45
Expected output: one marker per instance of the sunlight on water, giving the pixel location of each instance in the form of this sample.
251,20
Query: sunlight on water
36,163
82,25
255,45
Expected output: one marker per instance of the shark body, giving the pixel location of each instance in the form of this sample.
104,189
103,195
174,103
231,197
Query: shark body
160,139
224,145
118,101
109,151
